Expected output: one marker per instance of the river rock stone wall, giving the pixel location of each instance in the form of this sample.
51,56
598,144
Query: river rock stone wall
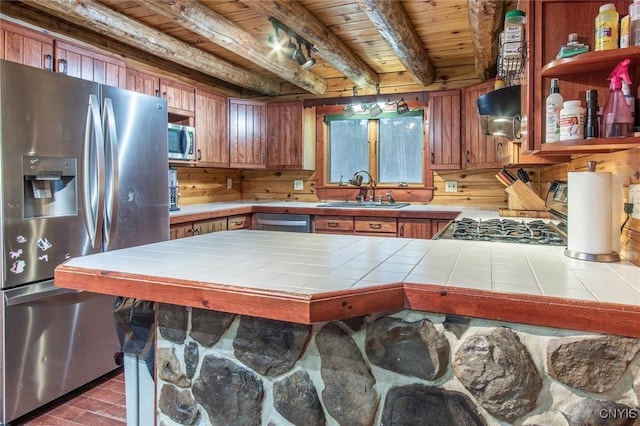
400,368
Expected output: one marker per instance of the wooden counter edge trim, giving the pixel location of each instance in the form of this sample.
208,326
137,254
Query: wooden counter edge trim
316,211
271,304
588,316
281,306
210,214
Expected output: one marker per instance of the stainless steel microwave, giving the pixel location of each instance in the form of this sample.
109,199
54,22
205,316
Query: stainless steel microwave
182,142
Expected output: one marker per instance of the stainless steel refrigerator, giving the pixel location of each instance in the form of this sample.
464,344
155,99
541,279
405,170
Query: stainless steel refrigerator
83,170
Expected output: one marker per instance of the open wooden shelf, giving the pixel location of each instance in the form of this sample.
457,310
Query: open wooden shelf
604,60
589,146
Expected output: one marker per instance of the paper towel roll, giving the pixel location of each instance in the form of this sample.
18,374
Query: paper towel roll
589,212
616,210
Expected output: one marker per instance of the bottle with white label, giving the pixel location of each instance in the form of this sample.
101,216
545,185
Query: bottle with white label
571,121
553,107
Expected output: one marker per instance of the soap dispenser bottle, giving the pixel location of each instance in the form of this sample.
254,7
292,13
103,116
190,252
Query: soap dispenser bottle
617,121
552,120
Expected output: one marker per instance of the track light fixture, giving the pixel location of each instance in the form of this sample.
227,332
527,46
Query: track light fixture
291,50
402,107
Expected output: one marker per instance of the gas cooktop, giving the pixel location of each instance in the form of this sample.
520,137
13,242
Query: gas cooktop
504,230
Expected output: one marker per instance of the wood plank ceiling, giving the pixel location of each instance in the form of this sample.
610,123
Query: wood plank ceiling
374,46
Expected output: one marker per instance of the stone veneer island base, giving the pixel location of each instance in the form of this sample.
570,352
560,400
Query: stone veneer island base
398,368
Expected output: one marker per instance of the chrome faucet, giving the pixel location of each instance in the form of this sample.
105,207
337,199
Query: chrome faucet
356,180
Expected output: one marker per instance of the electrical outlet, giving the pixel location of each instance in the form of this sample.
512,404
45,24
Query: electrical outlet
229,183
298,185
634,198
450,186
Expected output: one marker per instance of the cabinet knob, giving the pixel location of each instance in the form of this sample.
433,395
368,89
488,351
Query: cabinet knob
402,230
498,150
375,225
433,157
199,154
467,154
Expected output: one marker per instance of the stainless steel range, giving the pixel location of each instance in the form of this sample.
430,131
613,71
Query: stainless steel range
505,230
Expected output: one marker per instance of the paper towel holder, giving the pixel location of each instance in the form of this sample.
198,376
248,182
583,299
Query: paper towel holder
608,257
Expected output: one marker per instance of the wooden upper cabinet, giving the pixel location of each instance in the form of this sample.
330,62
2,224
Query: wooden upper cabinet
26,46
89,64
142,82
181,99
212,135
247,133
444,130
284,135
480,150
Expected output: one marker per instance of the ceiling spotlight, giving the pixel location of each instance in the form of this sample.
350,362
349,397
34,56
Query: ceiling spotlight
310,61
298,55
275,40
402,107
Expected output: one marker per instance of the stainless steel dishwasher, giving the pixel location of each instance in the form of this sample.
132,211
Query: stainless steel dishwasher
283,222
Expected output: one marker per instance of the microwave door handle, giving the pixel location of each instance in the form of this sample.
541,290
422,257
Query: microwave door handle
111,171
93,171
184,142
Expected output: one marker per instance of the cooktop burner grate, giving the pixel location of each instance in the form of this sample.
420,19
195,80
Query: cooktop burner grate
504,230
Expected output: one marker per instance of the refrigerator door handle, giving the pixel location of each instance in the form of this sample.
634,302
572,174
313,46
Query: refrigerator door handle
111,170
20,298
93,171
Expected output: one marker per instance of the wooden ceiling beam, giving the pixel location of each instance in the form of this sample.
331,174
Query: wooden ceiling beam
330,48
198,18
485,19
97,17
394,25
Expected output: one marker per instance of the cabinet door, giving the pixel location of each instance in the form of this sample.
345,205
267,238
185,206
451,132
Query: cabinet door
180,230
284,135
438,225
480,150
142,82
212,136
415,228
89,64
25,46
247,134
444,130
180,97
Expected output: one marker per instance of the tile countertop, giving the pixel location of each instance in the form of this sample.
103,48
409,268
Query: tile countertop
317,277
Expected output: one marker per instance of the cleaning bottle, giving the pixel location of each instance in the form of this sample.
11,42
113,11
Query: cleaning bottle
607,28
554,105
616,116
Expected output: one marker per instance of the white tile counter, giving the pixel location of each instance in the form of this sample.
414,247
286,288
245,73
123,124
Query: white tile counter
312,267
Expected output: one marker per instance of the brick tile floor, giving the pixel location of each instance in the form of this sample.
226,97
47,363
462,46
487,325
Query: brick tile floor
99,403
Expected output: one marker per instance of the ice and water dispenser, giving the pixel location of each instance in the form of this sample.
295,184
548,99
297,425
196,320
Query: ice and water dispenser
49,186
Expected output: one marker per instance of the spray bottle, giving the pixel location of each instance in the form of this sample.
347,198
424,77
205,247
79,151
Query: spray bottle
616,116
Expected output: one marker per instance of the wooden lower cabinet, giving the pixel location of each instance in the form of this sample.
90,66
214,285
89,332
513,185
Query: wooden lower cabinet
377,226
438,225
334,225
189,229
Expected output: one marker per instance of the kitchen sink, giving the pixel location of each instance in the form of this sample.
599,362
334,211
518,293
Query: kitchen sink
364,205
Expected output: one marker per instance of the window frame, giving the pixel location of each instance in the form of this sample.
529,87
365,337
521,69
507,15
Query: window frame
333,191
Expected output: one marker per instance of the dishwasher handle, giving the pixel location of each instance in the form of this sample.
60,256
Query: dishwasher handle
282,222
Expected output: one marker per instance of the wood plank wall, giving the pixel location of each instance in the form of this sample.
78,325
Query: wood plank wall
207,185
260,185
476,188
627,163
